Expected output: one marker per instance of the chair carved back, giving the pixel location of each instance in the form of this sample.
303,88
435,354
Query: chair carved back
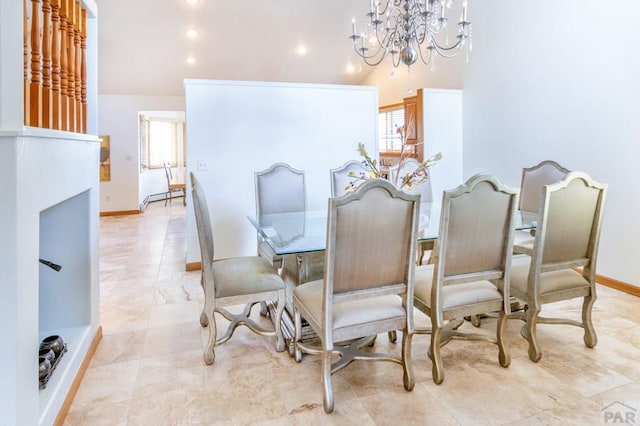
341,182
370,254
534,178
205,232
568,234
476,234
279,189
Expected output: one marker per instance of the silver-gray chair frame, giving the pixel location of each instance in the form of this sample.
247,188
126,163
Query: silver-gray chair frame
279,189
343,181
470,275
567,237
358,294
534,179
241,280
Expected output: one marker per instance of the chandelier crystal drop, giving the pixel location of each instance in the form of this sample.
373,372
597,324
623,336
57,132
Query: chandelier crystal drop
408,30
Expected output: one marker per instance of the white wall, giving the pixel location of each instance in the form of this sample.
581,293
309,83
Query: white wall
119,119
442,122
559,80
238,128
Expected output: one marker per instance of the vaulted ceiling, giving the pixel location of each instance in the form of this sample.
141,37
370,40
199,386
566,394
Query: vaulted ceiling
143,45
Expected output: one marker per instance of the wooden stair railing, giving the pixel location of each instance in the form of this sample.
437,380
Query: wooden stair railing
55,75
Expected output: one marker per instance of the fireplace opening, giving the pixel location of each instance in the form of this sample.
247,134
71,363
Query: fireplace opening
64,293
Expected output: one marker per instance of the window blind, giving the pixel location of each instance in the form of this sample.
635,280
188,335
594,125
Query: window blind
144,142
388,123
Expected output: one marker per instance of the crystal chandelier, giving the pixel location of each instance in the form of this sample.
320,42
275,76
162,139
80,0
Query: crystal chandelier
408,30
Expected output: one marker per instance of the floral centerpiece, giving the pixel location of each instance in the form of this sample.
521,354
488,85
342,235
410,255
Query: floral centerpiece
415,177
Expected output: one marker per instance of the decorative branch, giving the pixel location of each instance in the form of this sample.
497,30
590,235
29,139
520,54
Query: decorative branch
416,177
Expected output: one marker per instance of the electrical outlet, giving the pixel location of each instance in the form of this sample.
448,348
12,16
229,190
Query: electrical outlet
202,166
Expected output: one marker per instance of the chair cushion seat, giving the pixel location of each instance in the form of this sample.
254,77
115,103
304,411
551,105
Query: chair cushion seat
551,281
244,275
347,314
453,296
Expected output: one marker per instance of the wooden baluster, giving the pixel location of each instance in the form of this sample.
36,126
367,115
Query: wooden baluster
83,73
46,64
78,64
71,76
55,70
64,81
25,35
35,87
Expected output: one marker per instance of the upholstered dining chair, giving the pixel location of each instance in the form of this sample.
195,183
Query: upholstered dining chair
567,237
533,180
279,189
424,189
470,275
234,281
358,295
341,181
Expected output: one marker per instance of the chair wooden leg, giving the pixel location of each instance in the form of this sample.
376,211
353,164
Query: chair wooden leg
326,380
408,378
529,333
209,354
503,352
278,324
393,336
297,332
420,254
437,368
590,337
203,318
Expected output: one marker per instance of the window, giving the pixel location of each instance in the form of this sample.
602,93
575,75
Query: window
389,119
163,143
161,140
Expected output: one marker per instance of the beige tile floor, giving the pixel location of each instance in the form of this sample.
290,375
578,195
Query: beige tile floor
148,369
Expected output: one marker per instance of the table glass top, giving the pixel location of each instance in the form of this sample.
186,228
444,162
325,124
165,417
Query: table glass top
306,231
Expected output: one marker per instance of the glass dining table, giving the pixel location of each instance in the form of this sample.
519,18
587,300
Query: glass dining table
300,238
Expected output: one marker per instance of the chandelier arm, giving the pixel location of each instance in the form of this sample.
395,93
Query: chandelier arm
422,56
449,51
374,63
378,52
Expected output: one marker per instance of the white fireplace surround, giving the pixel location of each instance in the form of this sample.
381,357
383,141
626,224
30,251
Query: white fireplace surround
39,170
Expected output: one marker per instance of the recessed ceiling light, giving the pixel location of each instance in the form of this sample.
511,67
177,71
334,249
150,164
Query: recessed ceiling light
192,33
192,1
301,50
191,60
